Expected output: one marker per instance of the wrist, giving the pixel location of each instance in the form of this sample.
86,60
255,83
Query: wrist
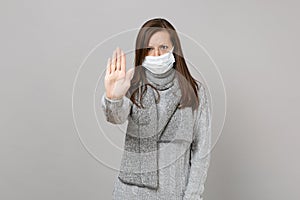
110,97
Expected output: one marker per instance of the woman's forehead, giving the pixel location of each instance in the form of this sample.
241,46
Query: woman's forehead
160,37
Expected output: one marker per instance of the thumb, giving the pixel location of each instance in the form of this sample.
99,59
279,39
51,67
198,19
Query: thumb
129,74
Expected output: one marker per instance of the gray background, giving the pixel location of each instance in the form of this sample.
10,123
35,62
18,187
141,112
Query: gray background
254,43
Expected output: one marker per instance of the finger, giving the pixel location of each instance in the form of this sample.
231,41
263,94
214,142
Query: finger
118,59
113,63
108,71
123,61
129,74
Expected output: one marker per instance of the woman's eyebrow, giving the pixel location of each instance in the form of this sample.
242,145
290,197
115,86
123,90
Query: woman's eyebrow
158,45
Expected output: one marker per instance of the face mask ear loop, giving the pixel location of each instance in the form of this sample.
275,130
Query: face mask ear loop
172,49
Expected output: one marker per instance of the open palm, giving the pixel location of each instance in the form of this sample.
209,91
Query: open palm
117,80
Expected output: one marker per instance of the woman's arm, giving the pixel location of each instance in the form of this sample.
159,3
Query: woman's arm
200,149
116,111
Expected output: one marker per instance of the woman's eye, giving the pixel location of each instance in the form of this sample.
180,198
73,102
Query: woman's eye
149,49
164,47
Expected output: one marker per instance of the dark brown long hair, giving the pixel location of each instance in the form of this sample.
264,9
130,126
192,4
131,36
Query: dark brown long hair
187,83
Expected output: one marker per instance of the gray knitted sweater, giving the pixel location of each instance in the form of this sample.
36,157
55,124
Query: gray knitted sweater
184,178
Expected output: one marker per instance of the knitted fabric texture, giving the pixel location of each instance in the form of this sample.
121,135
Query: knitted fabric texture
139,164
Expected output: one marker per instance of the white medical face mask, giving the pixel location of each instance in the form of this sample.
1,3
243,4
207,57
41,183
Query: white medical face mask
159,64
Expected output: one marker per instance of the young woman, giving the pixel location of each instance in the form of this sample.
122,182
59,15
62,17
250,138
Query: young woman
168,137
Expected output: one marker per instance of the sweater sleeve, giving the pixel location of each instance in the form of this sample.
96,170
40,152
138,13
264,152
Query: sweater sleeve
116,110
200,150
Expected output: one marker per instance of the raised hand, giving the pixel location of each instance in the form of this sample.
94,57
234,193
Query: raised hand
117,80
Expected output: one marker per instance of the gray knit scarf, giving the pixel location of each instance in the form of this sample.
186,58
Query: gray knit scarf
139,164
